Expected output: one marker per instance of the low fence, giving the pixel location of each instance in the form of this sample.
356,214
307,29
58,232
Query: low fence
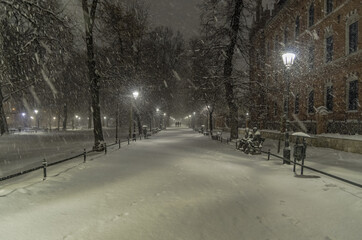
84,154
227,141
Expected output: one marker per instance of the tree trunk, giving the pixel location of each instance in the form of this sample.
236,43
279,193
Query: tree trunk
3,123
228,68
139,123
210,121
90,116
89,17
65,113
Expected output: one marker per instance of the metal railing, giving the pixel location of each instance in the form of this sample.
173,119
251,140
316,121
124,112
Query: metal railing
45,164
227,140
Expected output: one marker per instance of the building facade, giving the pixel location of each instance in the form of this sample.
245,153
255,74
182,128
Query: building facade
325,81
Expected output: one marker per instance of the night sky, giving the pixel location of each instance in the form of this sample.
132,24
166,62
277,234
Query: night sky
181,15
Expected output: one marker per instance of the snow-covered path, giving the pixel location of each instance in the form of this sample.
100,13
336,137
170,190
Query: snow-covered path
178,185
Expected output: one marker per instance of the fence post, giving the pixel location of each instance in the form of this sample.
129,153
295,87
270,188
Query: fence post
279,145
84,155
105,148
119,143
45,164
268,154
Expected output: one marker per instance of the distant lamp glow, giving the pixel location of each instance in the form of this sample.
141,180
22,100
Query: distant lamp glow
36,111
189,116
31,117
135,94
76,116
23,114
288,59
164,114
54,118
157,109
104,117
194,113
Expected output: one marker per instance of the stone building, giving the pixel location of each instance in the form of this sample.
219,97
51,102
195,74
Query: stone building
325,80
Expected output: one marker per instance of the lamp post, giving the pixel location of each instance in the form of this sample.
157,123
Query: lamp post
23,115
164,121
288,60
135,96
37,118
194,121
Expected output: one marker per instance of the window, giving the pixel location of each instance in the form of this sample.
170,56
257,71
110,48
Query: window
297,26
311,15
311,102
285,36
329,6
296,104
329,98
311,57
276,43
353,37
353,95
285,104
275,108
329,49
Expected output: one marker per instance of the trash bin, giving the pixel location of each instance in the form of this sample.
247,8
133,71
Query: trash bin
300,149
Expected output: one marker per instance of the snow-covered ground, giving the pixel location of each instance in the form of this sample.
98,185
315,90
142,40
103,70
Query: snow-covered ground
343,164
22,151
178,185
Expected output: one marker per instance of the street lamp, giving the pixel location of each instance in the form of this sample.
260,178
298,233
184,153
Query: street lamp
288,60
37,118
135,96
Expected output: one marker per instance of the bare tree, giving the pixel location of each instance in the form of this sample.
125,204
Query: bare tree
89,13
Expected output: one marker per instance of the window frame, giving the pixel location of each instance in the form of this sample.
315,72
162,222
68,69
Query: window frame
297,26
311,102
329,96
297,103
329,49
355,47
311,15
329,7
348,94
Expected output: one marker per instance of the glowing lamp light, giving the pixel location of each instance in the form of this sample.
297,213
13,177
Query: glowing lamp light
36,111
23,114
135,94
288,59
